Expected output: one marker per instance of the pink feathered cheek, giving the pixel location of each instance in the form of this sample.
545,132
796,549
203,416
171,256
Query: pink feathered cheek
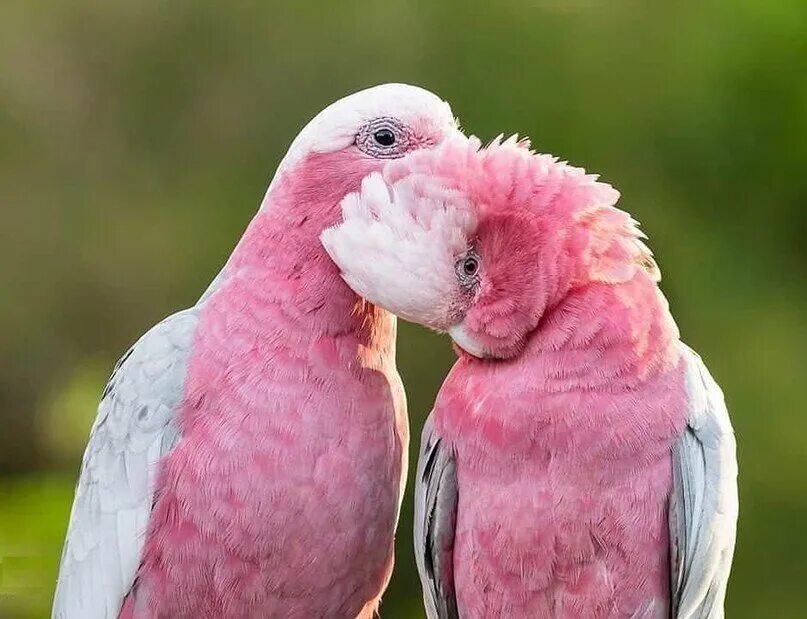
495,332
494,322
508,302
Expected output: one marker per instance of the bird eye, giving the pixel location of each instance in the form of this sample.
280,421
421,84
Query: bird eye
467,268
384,137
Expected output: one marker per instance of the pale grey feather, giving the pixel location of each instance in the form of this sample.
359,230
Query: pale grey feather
703,505
134,428
436,497
653,609
215,285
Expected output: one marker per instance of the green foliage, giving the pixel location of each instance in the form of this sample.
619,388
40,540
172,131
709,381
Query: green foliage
136,139
33,520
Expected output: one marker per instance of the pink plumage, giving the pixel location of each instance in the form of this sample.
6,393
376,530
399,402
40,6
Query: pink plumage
576,446
284,494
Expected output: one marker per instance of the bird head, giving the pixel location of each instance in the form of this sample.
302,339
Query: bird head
356,136
482,242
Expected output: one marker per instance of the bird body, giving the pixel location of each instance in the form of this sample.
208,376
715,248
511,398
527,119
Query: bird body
249,454
283,494
564,469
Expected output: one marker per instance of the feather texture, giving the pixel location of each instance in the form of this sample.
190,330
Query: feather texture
436,493
703,503
136,426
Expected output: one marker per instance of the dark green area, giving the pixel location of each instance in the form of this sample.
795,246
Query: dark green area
137,137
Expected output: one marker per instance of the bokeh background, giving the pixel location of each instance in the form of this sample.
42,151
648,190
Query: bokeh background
137,137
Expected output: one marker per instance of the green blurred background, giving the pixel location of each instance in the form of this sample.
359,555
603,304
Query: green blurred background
137,138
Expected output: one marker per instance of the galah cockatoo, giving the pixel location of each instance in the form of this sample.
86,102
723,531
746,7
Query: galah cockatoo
579,460
249,453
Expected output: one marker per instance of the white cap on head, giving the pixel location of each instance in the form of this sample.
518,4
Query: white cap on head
335,127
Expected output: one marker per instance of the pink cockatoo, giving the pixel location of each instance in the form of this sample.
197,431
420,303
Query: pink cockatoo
249,453
579,460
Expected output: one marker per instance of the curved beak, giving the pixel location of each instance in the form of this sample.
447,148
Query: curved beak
463,339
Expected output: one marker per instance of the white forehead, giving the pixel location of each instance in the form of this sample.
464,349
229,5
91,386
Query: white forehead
335,127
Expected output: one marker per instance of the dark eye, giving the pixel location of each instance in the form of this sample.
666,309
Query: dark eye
467,268
384,137
470,266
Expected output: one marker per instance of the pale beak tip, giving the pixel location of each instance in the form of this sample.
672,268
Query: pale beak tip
465,341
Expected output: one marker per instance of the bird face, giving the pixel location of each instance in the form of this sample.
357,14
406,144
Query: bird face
502,293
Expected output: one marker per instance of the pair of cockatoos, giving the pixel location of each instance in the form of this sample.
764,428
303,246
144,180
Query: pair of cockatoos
249,454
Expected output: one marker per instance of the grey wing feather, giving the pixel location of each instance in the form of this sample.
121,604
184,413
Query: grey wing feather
134,428
703,505
436,496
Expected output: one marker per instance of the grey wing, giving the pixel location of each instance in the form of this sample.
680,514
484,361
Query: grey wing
134,428
703,505
436,495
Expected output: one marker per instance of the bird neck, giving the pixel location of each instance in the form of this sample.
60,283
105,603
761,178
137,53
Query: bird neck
280,267
605,334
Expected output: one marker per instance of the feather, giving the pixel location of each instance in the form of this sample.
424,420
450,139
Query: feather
436,496
704,503
134,429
